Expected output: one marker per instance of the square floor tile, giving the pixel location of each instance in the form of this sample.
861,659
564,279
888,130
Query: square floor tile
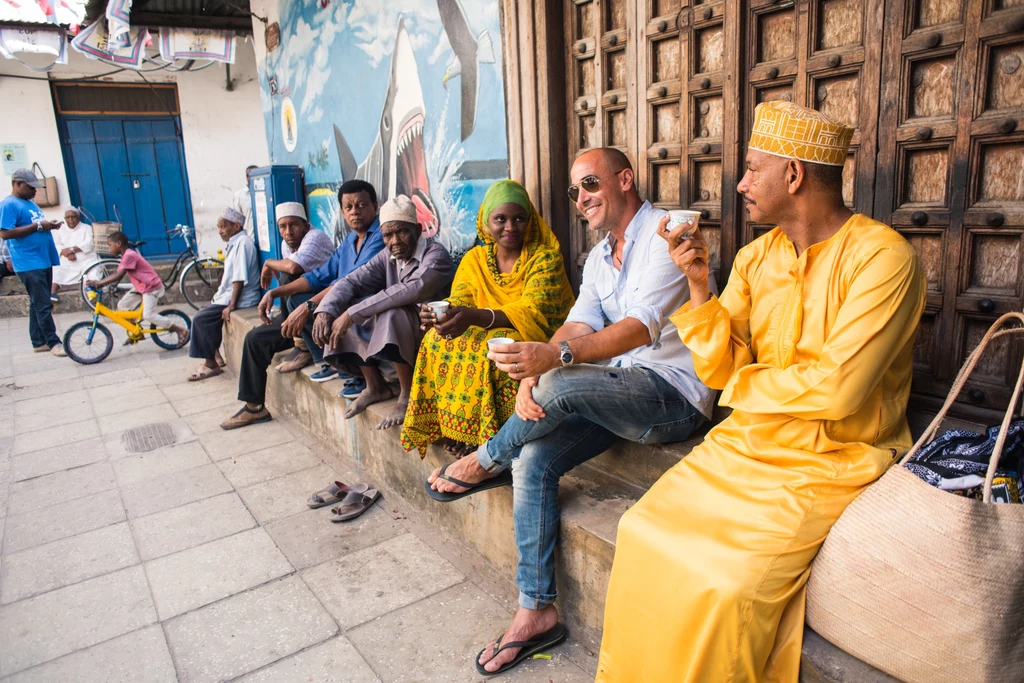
159,463
137,657
61,386
119,422
28,442
62,520
57,459
469,620
252,468
335,661
190,525
84,614
153,495
52,411
311,537
67,561
208,420
247,631
114,399
287,495
201,575
223,444
63,487
222,396
377,580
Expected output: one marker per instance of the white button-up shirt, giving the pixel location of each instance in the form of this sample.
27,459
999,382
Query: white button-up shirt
649,288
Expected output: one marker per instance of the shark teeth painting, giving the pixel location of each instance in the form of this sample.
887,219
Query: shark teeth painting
396,163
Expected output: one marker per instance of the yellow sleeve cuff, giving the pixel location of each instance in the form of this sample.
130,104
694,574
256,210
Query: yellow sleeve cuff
686,318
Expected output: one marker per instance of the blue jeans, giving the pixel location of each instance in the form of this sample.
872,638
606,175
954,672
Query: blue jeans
41,329
587,407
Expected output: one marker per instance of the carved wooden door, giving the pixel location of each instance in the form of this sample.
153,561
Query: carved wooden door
602,113
823,54
683,96
951,178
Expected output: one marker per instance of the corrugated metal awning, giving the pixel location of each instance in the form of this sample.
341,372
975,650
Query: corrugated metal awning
215,14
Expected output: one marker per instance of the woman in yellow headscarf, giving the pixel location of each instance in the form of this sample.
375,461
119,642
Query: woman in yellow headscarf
513,285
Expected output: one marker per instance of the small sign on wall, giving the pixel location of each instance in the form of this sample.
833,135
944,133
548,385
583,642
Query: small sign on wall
14,155
262,216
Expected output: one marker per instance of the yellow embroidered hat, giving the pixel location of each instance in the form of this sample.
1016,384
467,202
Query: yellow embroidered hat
787,130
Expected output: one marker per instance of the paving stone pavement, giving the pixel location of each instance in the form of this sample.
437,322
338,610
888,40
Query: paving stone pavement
200,561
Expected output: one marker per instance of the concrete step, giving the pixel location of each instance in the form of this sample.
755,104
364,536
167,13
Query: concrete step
592,500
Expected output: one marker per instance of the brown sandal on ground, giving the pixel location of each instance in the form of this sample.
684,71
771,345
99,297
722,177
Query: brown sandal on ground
354,504
204,372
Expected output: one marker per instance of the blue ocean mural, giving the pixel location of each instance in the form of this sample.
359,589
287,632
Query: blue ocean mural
407,94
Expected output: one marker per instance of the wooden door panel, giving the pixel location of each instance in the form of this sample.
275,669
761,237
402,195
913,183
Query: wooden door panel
839,23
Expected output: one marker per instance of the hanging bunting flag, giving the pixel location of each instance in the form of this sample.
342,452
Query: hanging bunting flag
93,42
37,41
197,43
118,28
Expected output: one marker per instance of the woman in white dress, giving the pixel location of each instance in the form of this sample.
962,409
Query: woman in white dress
75,246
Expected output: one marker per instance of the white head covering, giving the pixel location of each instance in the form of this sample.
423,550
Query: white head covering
400,209
286,209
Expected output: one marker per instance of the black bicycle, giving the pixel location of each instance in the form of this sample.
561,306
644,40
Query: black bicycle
200,276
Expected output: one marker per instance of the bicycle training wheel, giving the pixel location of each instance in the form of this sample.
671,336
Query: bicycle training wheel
111,293
87,345
169,340
200,280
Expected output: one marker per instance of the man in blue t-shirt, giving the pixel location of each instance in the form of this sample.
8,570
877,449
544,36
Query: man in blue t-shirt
26,234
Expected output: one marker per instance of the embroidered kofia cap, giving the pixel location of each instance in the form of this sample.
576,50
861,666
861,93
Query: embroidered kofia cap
400,208
787,130
233,216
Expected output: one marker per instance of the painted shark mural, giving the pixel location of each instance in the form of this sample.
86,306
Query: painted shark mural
366,89
397,162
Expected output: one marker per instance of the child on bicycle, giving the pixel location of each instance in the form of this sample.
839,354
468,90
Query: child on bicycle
147,287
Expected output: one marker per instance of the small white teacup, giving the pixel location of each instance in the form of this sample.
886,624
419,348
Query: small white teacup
498,342
440,309
677,217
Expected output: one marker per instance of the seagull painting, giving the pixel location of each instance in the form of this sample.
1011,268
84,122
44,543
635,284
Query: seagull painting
470,52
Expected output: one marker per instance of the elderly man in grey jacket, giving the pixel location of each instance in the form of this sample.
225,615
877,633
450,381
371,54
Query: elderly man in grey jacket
373,313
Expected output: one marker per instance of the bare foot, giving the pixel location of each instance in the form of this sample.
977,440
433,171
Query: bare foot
219,359
466,469
367,399
396,416
526,624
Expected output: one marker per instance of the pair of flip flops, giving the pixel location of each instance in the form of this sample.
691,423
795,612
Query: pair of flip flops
352,501
503,479
538,643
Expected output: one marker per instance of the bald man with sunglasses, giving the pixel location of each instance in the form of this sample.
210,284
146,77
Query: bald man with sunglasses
616,369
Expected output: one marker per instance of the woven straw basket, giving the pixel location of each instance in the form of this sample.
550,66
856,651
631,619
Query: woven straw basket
923,584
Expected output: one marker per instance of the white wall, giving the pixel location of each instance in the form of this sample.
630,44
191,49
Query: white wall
222,131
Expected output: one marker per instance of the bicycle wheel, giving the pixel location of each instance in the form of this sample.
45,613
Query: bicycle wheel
111,293
200,280
85,346
169,340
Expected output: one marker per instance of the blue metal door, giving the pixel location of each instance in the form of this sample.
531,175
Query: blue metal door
130,169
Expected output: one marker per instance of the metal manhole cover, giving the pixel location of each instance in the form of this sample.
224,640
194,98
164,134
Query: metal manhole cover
148,437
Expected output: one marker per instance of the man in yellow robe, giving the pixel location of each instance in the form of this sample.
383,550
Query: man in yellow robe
811,344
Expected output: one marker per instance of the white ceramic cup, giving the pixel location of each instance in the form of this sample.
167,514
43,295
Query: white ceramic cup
496,343
677,217
440,309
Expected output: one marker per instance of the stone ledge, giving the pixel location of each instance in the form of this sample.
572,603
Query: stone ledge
592,499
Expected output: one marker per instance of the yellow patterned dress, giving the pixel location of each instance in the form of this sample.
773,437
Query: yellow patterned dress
814,354
457,393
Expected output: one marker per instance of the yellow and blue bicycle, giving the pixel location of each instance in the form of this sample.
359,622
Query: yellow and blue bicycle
91,342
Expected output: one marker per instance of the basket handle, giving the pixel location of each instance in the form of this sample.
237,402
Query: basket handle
958,385
42,173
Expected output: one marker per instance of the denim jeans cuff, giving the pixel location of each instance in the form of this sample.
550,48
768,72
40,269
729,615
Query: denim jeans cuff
533,603
485,460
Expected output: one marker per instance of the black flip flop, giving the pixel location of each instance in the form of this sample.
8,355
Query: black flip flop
503,479
354,504
530,647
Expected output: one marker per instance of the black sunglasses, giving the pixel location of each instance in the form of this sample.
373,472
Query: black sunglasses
590,183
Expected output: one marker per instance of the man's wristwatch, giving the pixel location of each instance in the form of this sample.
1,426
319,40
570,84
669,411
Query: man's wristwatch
565,356
311,306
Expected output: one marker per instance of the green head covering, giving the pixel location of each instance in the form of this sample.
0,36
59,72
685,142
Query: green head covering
503,192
